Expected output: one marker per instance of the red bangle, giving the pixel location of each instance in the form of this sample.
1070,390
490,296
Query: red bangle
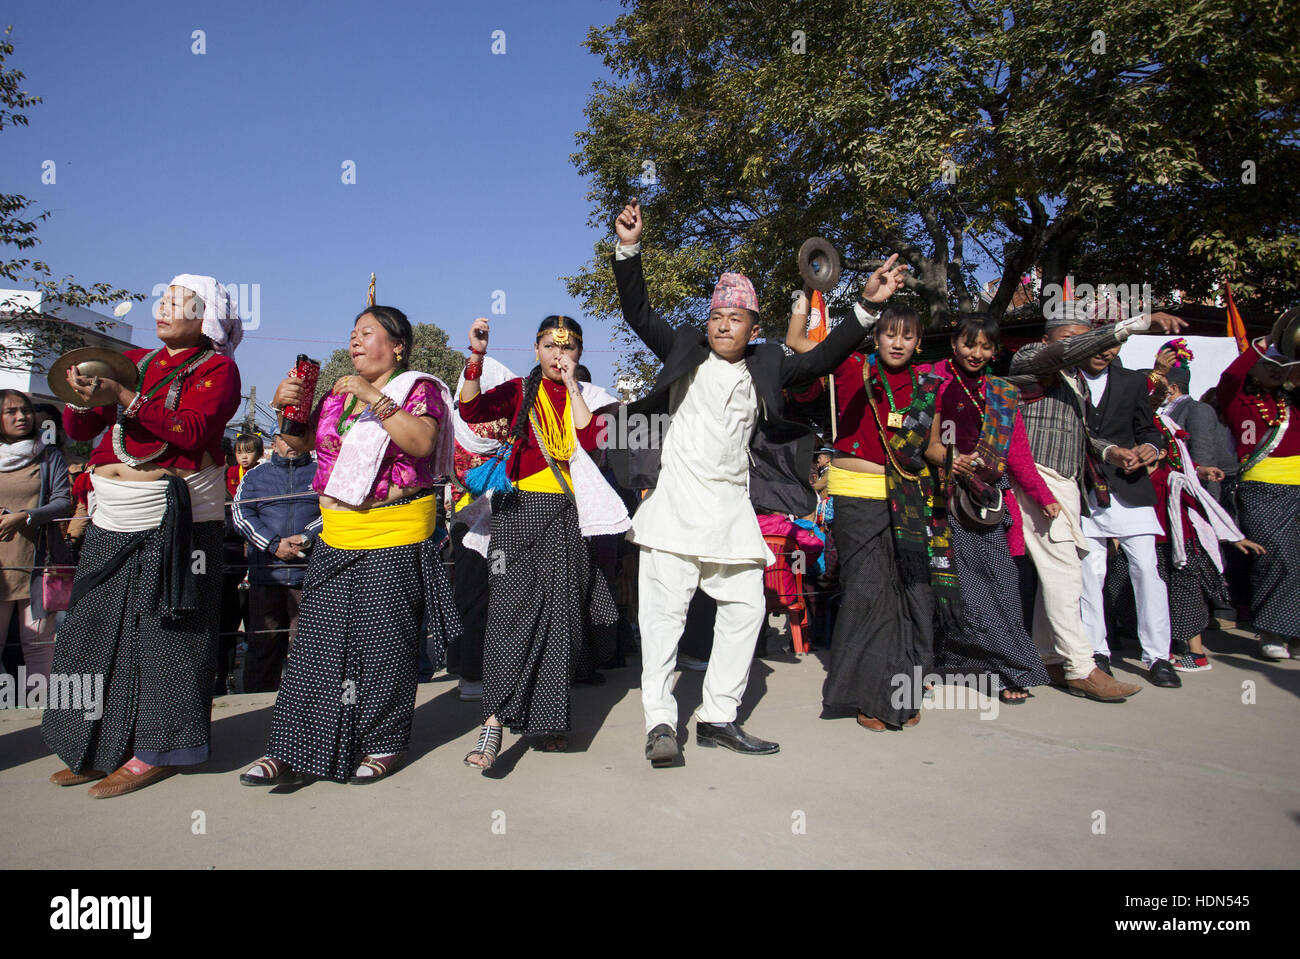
478,352
473,370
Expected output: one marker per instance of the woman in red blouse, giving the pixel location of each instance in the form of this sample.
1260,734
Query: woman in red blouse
884,634
541,579
1259,394
145,602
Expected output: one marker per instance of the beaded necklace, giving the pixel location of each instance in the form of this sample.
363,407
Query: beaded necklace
895,419
346,420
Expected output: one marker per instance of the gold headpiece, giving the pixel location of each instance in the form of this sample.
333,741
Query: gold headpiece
561,333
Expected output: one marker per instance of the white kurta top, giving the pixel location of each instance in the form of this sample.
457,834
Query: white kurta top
1119,519
701,507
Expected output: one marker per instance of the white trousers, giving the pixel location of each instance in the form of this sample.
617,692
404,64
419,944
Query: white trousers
666,583
1148,588
1055,546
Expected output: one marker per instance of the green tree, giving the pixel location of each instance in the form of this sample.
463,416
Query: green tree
429,354
28,334
1106,135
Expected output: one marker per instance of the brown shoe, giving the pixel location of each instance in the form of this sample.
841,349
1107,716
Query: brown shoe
1056,674
124,781
66,777
871,722
913,721
1101,688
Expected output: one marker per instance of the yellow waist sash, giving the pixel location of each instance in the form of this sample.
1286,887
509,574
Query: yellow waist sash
842,482
380,526
1283,470
544,481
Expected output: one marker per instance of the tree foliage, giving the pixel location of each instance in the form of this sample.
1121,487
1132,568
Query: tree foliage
1106,136
30,333
429,354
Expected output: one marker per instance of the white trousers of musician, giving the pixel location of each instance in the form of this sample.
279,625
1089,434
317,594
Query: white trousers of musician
1148,588
1056,547
666,582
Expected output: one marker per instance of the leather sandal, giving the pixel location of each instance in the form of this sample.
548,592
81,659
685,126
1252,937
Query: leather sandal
555,743
381,767
123,781
871,722
274,773
489,744
66,777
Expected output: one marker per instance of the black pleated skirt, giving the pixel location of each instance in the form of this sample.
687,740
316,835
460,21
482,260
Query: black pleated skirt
157,674
544,596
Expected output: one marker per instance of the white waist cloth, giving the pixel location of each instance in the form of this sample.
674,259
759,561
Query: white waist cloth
127,507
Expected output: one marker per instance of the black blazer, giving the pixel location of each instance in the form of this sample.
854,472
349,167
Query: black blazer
780,453
1124,418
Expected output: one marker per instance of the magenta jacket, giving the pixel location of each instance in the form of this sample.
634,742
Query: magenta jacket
1020,464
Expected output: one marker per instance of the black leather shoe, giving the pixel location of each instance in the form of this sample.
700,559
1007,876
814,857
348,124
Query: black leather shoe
734,738
661,746
1103,663
1162,674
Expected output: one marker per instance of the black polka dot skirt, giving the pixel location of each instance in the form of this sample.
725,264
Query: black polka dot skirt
349,684
543,596
157,674
1269,514
990,638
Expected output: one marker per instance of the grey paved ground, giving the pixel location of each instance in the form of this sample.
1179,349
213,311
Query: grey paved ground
1185,778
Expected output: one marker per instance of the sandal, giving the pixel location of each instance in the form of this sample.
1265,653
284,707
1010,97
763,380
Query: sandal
1016,700
489,744
555,743
381,766
274,773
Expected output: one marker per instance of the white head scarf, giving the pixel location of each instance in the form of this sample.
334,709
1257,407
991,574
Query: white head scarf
220,311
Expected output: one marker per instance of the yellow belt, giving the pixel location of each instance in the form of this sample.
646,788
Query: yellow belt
380,526
842,482
1283,470
544,481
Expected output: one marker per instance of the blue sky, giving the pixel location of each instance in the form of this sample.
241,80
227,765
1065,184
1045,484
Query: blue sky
229,163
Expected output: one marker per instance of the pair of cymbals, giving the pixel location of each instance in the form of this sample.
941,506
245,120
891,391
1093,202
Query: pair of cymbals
91,361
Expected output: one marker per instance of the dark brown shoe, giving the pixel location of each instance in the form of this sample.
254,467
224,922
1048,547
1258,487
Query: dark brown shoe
66,777
124,781
871,722
913,721
1056,674
1101,688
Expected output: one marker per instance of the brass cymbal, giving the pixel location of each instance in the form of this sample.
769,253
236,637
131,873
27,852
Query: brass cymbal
819,264
1286,334
91,361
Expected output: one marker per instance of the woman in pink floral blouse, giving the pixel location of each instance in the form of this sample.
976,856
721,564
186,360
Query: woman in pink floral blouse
375,587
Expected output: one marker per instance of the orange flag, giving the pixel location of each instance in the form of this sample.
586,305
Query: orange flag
1236,326
816,317
370,297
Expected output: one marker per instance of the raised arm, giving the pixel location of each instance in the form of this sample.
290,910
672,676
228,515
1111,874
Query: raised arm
654,331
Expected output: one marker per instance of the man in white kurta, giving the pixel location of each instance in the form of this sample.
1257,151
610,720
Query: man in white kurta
697,529
1136,529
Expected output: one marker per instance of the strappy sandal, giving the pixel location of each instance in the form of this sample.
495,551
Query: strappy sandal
555,743
381,767
489,744
274,773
